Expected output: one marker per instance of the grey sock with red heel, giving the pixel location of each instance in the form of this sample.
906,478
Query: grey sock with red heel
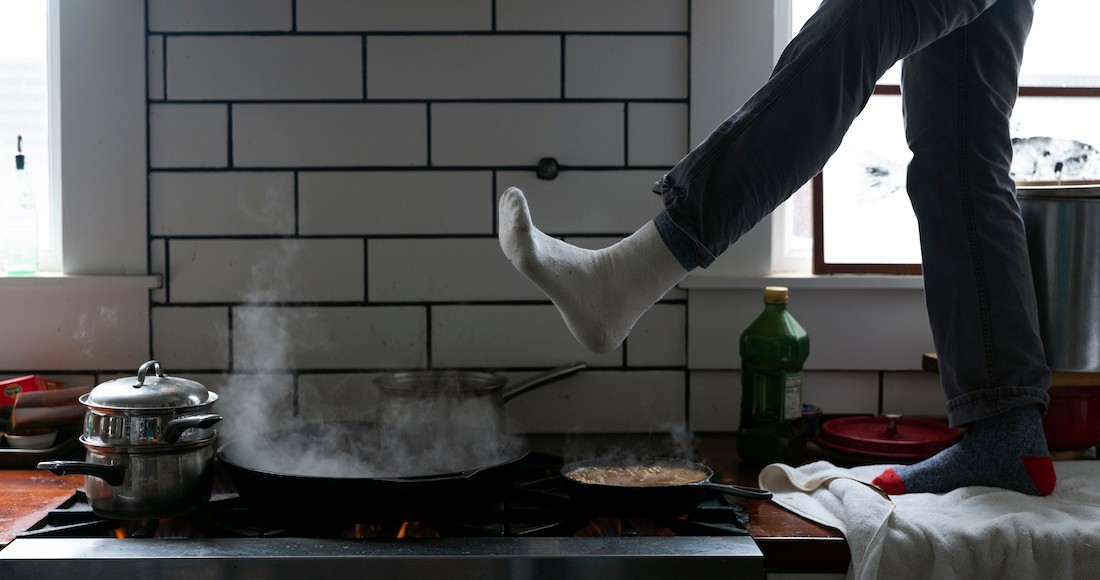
1007,451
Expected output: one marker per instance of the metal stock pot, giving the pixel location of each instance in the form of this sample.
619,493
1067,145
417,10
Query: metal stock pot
150,446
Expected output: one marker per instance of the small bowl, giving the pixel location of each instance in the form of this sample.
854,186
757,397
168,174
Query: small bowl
31,440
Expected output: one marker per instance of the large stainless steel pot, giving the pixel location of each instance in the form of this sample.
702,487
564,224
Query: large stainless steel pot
1063,235
150,446
411,400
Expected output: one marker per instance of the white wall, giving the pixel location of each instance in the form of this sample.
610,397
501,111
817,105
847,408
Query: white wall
322,177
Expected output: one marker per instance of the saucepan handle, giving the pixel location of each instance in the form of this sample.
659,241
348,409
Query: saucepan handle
177,426
112,475
737,490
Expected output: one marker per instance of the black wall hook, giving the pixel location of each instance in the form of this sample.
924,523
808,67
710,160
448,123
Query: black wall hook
547,168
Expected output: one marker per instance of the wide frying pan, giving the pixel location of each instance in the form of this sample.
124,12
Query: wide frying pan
648,501
297,494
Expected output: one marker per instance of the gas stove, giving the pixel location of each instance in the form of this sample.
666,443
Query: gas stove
534,531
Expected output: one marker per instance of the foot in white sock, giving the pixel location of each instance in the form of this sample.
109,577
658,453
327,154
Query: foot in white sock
600,293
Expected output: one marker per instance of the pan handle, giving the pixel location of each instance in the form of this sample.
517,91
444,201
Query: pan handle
542,379
737,490
112,475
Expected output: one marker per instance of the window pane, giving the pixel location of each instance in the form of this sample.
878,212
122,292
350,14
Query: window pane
1056,138
867,215
1060,49
24,101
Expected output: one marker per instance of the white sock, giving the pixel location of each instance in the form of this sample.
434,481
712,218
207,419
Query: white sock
600,293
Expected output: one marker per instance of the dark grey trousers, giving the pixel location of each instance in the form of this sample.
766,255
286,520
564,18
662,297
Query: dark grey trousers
959,84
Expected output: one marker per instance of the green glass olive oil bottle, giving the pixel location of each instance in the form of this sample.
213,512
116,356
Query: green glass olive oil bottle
773,349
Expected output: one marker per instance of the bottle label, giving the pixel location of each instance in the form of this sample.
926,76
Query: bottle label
793,408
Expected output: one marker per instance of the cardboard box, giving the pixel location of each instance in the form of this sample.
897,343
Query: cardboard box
11,388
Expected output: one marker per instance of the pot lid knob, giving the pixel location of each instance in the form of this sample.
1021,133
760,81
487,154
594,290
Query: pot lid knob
149,391
144,370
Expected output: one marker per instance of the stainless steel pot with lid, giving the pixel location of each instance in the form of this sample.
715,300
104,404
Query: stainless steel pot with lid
148,410
149,442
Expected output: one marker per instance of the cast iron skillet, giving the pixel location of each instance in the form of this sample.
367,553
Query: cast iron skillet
648,501
403,497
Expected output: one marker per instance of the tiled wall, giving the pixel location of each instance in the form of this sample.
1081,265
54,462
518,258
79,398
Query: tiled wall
321,193
322,187
323,177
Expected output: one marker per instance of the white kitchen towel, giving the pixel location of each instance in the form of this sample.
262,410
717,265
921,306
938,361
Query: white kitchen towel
973,532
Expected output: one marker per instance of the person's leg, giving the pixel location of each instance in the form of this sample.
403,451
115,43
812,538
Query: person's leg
958,96
750,164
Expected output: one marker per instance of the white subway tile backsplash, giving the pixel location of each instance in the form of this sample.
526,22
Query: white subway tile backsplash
253,404
522,133
620,67
443,270
347,226
266,270
715,401
602,402
659,338
265,67
395,202
716,319
219,15
329,135
842,393
463,67
154,58
83,328
189,337
337,397
221,203
333,337
188,135
587,202
868,340
394,15
657,133
605,15
507,336
158,264
913,394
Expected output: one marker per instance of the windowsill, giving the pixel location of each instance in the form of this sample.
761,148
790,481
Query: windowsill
56,280
704,281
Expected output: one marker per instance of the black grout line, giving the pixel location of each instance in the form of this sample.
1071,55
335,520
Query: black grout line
416,33
294,16
561,66
364,73
229,135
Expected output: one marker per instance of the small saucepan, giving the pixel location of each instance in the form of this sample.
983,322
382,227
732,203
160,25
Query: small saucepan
473,399
645,488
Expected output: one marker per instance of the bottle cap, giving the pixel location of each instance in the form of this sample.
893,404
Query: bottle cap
775,295
19,159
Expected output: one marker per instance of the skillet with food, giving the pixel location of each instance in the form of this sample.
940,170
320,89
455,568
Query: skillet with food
643,488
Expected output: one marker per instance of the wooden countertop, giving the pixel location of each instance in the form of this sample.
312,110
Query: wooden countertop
789,542
26,495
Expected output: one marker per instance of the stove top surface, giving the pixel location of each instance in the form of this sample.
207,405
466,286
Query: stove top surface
533,532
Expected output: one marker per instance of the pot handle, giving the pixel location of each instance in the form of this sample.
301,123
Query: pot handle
542,379
112,475
737,490
177,426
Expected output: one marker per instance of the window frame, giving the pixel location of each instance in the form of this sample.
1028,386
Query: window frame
820,266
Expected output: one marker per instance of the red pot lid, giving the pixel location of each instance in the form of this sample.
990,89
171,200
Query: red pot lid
890,437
